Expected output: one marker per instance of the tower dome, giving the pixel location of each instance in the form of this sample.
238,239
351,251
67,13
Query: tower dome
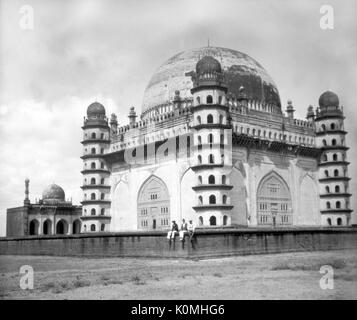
95,109
53,193
208,64
329,98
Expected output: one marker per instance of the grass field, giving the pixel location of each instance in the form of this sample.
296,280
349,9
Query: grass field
275,276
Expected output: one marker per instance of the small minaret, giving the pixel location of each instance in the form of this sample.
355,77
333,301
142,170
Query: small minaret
27,200
310,116
113,124
132,117
96,174
333,173
290,110
211,137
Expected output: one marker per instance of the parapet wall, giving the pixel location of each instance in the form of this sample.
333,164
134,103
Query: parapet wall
206,243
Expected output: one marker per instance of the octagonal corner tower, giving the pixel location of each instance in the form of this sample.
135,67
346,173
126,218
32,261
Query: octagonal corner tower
239,70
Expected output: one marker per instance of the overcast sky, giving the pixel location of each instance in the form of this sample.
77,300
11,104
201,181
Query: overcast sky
82,51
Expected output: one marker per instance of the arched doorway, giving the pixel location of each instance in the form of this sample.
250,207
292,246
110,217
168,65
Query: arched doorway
47,227
273,201
62,227
153,205
76,226
34,227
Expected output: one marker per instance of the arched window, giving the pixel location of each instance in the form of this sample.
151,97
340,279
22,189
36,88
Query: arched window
200,221
92,227
220,99
199,158
221,140
209,118
200,179
337,189
47,227
92,151
198,100
92,181
332,126
329,221
93,135
224,199
324,142
326,173
339,221
334,157
211,179
209,99
225,220
220,119
198,120
102,227
92,196
92,165
224,179
333,142
92,212
212,199
335,172
211,158
199,141
324,157
102,165
200,200
210,139
34,226
102,195
62,227
102,211
212,221
338,205
76,226
327,188
328,205
323,127
102,181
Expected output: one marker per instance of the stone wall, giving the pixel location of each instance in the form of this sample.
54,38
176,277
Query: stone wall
207,243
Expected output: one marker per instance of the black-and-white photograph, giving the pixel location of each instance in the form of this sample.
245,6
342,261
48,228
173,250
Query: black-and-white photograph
178,150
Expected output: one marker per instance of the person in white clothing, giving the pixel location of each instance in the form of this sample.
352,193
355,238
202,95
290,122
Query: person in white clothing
183,230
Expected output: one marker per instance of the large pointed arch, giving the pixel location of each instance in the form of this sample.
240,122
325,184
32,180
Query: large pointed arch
153,204
274,201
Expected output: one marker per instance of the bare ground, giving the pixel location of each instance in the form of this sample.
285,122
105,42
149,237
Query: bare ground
274,276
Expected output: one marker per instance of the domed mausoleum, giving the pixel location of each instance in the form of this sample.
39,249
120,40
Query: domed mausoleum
212,144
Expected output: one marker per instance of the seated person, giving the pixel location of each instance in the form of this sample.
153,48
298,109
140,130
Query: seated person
174,228
183,230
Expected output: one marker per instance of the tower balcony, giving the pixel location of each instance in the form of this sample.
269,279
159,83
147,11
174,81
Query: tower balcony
93,156
98,140
336,147
332,163
95,186
203,207
105,171
335,195
96,201
339,178
324,132
95,217
212,187
336,211
211,126
205,166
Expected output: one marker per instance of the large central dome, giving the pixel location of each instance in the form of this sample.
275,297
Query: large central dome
239,69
